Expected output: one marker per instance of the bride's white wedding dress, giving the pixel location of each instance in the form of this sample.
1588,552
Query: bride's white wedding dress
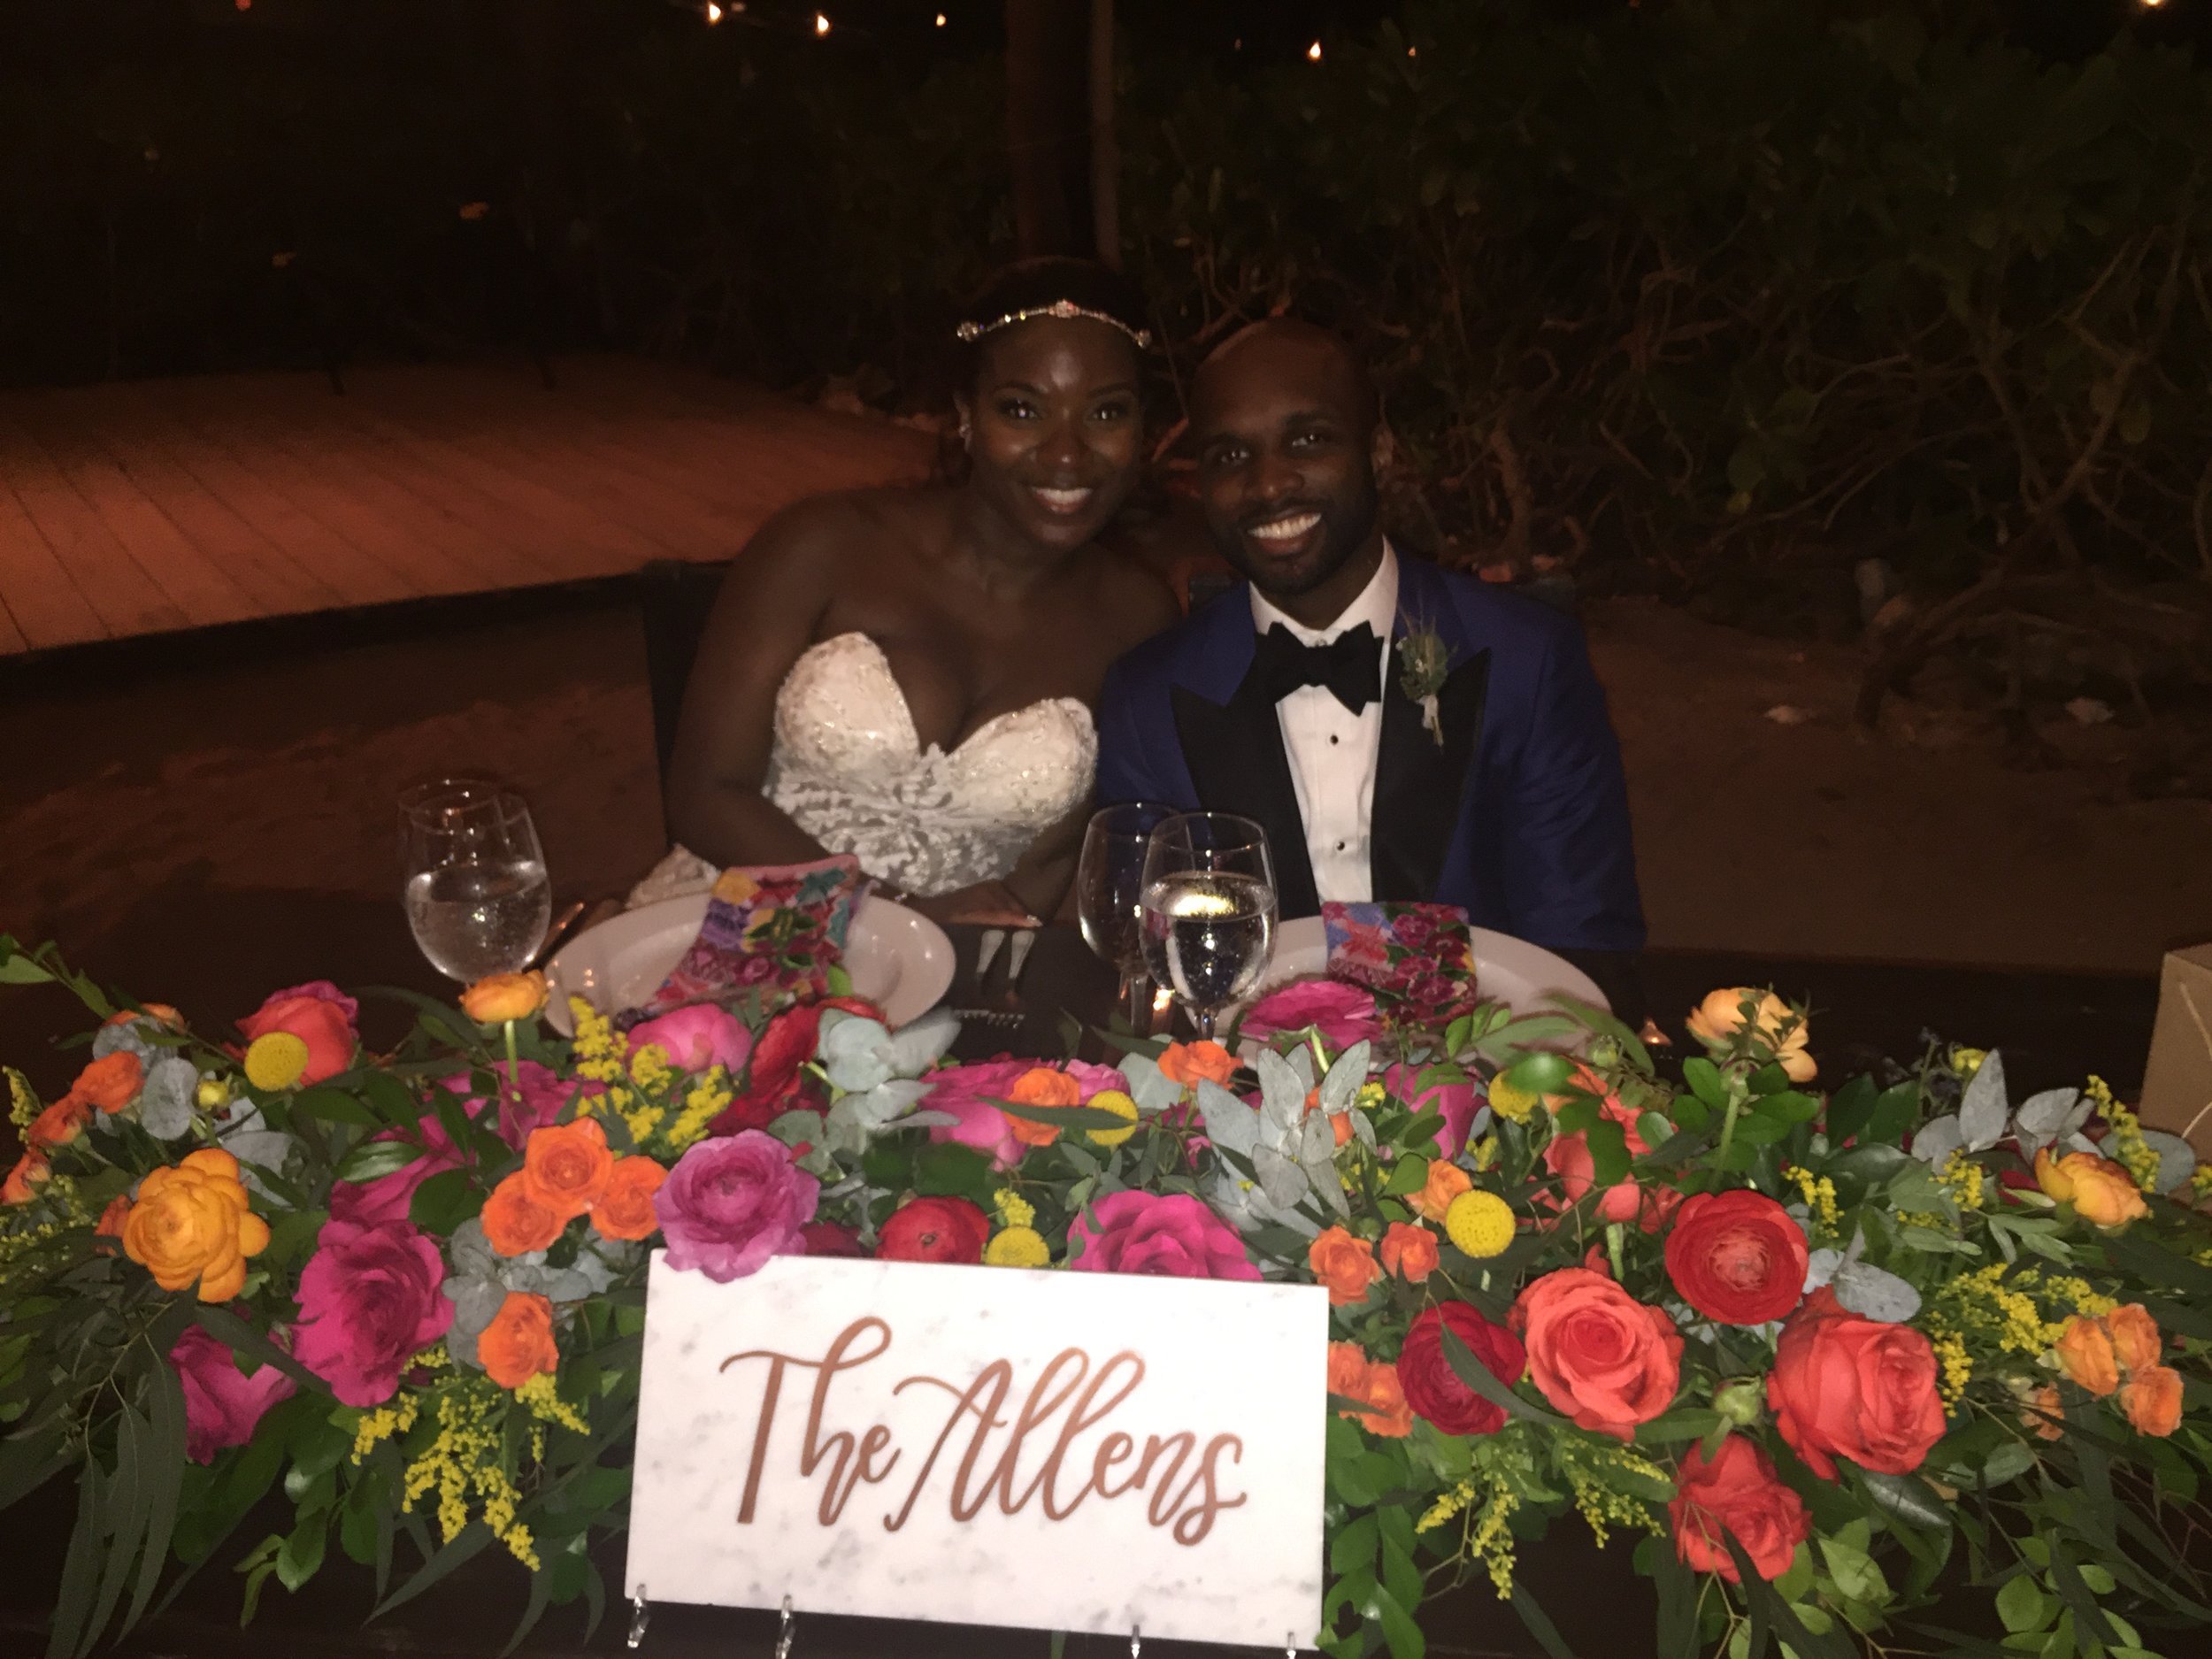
851,771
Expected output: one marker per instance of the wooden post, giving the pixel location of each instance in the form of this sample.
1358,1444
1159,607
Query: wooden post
1105,148
1048,101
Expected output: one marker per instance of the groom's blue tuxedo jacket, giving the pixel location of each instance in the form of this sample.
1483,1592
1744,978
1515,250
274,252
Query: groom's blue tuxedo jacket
1520,817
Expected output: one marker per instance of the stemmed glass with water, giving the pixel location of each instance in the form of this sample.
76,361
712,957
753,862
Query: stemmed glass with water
1110,898
477,895
1210,909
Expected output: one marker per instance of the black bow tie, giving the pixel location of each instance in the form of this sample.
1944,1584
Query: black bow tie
1350,665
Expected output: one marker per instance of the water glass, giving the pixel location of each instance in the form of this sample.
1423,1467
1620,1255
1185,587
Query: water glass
477,893
1110,898
1210,909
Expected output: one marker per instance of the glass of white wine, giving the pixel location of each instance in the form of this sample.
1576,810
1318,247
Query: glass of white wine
1109,897
1210,909
477,893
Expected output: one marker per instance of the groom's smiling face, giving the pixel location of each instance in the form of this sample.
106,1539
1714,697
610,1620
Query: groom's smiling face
1284,424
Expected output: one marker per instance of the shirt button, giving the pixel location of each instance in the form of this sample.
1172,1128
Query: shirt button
1334,738
1340,846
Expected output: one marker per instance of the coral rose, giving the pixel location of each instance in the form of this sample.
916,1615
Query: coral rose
319,1014
191,1223
517,1221
1408,1251
2100,1191
696,1038
518,1343
110,1082
1738,1494
370,1299
1596,1353
934,1229
497,998
1569,1157
1170,1236
1737,1257
2152,1400
731,1204
1346,1264
566,1166
1445,1182
222,1405
31,1173
1352,1376
624,1206
1434,1390
1190,1063
1040,1087
59,1123
1715,1021
1844,1387
2084,1354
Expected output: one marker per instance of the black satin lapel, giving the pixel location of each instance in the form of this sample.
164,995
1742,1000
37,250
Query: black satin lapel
1235,751
1421,787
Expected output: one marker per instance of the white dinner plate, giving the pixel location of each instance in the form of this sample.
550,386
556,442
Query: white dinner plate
1507,970
898,958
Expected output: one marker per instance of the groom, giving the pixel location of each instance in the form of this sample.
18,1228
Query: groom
1286,698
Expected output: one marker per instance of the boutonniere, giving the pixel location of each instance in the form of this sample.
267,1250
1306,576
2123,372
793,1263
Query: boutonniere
1424,661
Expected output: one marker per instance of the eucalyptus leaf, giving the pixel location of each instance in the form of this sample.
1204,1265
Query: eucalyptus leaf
1152,1090
1874,1293
1229,1122
2176,1159
1983,1107
1282,1180
915,1048
165,1100
854,1051
1282,1095
1937,1139
1342,1084
2042,1118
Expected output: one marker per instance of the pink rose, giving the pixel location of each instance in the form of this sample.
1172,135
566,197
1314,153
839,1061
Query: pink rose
965,1092
732,1202
222,1405
1344,1014
319,1014
1170,1237
370,1299
529,1098
1093,1079
386,1198
698,1037
1456,1101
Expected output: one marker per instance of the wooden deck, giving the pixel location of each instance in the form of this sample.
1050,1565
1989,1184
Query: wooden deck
151,506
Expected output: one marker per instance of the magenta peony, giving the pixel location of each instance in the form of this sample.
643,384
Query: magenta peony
1456,1101
384,1199
731,1204
1344,1014
966,1092
1171,1237
370,1299
222,1405
1096,1079
698,1037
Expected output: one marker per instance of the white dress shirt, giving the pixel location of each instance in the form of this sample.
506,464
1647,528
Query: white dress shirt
1332,750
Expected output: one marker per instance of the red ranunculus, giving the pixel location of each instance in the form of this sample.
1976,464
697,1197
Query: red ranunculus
1737,1257
934,1229
1596,1353
773,1081
1844,1387
1434,1390
1736,1495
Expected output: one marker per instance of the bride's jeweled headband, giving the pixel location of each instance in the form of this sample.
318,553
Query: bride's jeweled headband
969,332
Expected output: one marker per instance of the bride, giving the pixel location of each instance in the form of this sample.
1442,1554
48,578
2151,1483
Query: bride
907,674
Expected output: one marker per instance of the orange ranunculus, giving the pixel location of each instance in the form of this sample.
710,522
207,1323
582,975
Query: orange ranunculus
2044,1413
161,1013
624,1210
1352,1376
1408,1251
518,1343
2084,1351
1190,1063
111,1221
1446,1182
2100,1191
1346,1264
191,1221
59,1123
515,1221
1715,1021
566,1166
2152,1400
31,1173
110,1082
1041,1087
2135,1339
499,997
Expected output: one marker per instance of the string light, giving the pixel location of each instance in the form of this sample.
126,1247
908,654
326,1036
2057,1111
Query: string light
940,19
2153,6
714,12
1413,51
821,25
1313,52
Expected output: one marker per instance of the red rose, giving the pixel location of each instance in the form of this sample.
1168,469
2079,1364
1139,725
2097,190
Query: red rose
934,1229
1851,1387
773,1081
1434,1390
1737,1257
1596,1353
319,1014
1739,1494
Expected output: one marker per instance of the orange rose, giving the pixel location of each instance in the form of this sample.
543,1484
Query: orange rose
31,1173
518,1343
515,1222
1041,1087
1715,1021
624,1210
1408,1251
2152,1399
2085,1352
566,1166
59,1123
1446,1182
2100,1190
1352,1376
2045,1413
499,997
1345,1265
2135,1339
1190,1063
191,1223
110,1082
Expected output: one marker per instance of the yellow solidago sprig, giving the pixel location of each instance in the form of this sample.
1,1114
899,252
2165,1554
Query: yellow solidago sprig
2126,1146
1962,1178
707,1098
1612,1484
601,1052
1819,1193
465,1462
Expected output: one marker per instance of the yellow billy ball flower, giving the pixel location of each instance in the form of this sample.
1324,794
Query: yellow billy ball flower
212,1093
1017,1247
275,1059
1509,1101
1481,1223
1113,1101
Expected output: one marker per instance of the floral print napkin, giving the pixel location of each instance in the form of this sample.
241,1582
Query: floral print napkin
1419,959
776,929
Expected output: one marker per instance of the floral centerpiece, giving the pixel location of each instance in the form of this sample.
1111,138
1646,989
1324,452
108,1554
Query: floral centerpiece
1825,1357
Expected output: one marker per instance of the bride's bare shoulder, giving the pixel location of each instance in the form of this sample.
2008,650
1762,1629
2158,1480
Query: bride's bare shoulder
827,530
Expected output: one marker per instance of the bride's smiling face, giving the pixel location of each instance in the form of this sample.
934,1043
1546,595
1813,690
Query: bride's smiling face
1056,427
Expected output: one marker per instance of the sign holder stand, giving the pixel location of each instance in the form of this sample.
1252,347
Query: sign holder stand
1136,1644
787,1626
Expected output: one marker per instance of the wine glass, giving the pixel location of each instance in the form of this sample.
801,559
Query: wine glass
1210,909
477,895
1109,897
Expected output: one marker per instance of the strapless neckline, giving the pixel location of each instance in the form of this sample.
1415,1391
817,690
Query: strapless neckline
853,639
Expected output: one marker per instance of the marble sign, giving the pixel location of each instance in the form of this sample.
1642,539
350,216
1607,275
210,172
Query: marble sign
986,1445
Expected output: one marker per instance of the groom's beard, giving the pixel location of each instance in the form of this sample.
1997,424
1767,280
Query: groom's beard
1287,568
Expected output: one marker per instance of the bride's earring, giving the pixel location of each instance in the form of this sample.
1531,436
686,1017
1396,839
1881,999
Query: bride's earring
967,433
